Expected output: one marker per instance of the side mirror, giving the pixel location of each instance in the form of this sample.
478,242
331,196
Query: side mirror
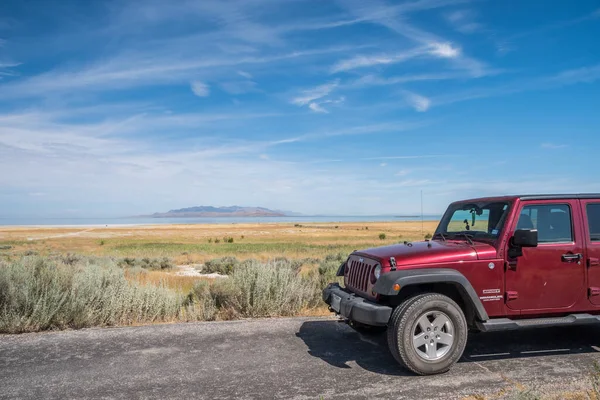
525,238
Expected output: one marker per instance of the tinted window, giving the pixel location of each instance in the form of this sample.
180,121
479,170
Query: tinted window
552,221
593,216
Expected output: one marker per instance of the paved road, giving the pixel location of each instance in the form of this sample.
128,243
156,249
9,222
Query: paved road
296,358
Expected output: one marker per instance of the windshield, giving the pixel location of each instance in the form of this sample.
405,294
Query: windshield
473,221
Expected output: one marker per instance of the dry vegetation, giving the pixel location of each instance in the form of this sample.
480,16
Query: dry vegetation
54,278
188,244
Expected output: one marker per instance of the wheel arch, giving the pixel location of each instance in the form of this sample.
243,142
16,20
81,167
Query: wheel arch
439,280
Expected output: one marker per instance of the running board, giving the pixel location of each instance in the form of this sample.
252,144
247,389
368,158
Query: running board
506,324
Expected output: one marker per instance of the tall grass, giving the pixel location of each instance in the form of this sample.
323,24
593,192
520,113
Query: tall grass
38,293
265,289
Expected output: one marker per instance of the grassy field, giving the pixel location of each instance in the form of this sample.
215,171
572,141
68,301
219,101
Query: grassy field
189,244
56,278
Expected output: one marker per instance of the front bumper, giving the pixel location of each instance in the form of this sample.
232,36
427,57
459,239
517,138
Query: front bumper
355,308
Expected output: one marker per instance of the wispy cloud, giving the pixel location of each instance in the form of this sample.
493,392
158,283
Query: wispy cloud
445,50
382,14
200,89
416,101
146,69
463,21
316,97
441,50
315,93
239,87
379,59
568,77
317,108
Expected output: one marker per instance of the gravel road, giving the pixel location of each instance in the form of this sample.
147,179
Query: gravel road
293,358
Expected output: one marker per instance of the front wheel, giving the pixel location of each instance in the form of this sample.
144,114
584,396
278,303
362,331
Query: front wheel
427,333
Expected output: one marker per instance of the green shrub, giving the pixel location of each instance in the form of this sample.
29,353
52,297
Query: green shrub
428,236
328,268
209,240
200,303
257,289
223,266
5,247
155,264
382,236
102,242
39,294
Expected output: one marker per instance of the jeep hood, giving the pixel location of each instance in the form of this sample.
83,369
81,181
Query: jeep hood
432,252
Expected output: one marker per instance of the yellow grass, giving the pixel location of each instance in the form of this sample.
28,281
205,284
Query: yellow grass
189,244
167,278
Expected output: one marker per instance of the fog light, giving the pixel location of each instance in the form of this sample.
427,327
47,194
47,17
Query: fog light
396,287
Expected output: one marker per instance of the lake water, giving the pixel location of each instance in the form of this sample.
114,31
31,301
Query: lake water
221,220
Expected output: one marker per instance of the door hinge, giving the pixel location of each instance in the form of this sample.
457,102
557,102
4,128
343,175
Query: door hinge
592,262
512,296
593,291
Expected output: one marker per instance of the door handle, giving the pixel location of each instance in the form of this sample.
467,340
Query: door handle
571,257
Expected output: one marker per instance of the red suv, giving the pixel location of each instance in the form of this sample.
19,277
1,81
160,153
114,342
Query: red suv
493,264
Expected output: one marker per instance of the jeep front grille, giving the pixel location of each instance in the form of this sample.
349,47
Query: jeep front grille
359,275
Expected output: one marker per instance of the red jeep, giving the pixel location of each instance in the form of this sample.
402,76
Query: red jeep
493,264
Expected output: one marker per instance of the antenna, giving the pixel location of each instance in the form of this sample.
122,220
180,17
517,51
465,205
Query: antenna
421,212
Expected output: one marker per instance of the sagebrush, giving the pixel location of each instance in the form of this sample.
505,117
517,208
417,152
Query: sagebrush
72,291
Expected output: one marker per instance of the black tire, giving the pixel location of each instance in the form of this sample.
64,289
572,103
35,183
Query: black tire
403,323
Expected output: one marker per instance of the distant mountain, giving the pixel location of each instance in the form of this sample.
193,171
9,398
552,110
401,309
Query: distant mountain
210,211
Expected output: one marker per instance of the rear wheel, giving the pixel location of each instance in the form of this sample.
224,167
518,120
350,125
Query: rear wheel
427,333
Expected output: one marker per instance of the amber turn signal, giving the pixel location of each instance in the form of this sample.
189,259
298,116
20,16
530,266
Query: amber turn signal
396,287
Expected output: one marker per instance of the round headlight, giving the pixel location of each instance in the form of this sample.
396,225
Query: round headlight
377,272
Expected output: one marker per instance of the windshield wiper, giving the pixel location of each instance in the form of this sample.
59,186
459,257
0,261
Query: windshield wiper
440,234
466,236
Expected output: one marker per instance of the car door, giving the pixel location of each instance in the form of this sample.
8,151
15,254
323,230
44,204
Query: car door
551,275
591,212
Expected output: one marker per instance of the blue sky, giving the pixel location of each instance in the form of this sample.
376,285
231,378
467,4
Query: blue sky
337,107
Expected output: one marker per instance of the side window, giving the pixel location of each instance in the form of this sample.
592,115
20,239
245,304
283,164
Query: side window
552,221
593,219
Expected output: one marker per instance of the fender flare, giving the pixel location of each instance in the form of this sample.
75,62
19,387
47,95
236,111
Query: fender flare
410,277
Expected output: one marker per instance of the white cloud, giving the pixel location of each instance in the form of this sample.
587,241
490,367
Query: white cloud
315,93
200,89
372,60
317,108
416,101
445,50
463,21
263,157
383,164
402,172
245,74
